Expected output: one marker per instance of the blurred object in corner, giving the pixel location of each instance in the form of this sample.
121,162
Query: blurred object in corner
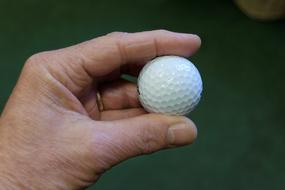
266,10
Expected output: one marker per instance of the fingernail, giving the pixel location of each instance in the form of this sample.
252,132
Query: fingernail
181,134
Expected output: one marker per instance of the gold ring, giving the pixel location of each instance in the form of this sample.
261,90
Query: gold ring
99,102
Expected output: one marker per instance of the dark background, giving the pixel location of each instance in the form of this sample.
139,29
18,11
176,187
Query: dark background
241,143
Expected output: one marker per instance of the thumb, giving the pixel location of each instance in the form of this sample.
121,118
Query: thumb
146,134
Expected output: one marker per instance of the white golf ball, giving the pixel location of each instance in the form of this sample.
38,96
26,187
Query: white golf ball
170,85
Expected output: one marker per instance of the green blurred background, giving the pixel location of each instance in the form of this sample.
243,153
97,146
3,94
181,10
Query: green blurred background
241,121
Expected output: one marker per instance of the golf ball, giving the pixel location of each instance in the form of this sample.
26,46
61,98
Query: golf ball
170,85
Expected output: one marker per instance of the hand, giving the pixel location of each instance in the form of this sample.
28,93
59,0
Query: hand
53,134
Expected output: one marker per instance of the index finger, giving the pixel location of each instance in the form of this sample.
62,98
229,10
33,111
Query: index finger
103,55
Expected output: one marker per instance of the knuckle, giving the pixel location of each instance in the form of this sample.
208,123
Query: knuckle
34,60
31,61
151,140
36,57
35,68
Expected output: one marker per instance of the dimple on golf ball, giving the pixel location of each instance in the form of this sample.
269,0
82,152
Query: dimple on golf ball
170,85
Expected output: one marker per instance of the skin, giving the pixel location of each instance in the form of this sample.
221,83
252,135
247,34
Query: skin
53,135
